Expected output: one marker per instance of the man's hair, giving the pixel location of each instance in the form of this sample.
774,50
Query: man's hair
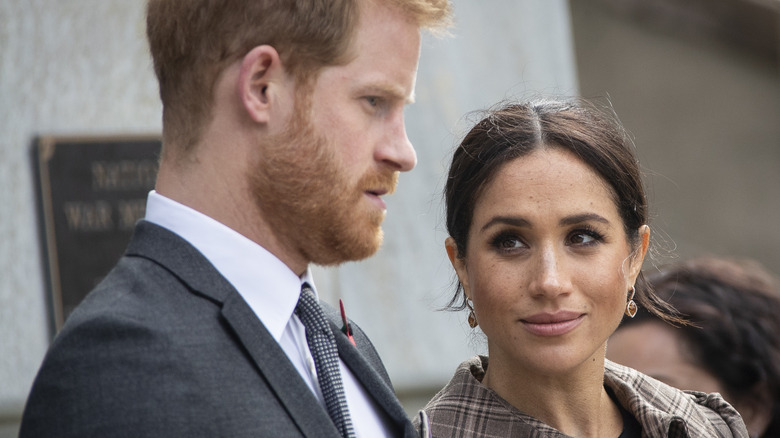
193,41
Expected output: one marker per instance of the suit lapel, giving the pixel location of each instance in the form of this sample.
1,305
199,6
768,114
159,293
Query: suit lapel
188,264
279,373
372,381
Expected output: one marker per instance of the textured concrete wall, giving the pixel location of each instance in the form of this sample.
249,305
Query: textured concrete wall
706,119
67,67
80,67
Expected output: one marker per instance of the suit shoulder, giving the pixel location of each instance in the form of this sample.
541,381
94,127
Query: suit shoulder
120,354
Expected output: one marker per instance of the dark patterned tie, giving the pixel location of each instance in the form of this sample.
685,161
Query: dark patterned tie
322,344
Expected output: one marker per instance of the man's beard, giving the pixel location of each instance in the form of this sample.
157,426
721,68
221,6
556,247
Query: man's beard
311,205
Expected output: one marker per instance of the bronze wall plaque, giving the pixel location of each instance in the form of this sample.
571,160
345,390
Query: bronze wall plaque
91,191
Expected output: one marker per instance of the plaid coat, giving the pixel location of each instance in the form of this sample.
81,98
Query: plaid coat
466,408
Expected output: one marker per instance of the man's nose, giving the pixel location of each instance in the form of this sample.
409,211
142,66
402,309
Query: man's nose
397,151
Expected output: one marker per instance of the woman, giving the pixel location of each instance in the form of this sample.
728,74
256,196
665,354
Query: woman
547,221
734,347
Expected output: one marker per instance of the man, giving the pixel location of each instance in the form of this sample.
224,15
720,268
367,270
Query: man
282,130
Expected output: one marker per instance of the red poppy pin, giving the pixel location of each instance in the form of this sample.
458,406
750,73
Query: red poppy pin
345,329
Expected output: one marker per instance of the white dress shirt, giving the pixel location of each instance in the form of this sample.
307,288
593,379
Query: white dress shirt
271,289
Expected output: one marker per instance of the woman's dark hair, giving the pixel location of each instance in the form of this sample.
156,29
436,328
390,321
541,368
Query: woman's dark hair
734,307
514,130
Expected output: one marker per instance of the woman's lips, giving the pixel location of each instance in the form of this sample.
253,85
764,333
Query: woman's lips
552,324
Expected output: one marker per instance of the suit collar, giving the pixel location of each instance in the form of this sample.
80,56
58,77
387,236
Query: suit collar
167,249
186,263
266,283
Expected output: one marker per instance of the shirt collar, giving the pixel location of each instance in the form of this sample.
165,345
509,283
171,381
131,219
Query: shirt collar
269,286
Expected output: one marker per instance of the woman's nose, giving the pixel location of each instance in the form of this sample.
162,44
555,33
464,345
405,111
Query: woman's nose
550,274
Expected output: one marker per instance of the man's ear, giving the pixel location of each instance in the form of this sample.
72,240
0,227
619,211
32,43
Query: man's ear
261,82
459,263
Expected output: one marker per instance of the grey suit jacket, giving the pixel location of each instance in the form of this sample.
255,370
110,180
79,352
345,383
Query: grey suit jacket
166,347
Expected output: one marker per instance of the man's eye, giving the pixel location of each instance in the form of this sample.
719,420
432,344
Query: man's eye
372,100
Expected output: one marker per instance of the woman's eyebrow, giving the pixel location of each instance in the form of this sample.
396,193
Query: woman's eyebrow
584,217
507,220
522,222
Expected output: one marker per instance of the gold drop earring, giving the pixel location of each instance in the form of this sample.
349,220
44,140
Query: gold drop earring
472,317
631,306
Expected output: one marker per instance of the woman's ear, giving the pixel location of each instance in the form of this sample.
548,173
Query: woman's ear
459,263
638,256
262,82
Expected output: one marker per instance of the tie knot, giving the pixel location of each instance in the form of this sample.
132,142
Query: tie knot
310,312
306,301
307,292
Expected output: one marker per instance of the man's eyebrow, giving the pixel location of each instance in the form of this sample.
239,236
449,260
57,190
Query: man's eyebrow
584,217
387,89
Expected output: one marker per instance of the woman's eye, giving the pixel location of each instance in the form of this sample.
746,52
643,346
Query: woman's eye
581,238
584,238
509,243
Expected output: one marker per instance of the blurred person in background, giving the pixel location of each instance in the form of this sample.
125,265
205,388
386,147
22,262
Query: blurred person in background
732,345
